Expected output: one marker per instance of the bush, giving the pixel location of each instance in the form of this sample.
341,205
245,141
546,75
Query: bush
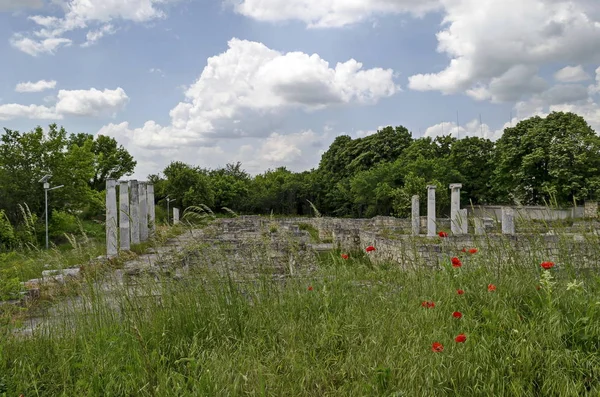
61,223
7,232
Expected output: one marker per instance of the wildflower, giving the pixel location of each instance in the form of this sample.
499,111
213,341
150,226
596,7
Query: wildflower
473,251
574,285
491,287
428,305
547,265
437,347
538,287
345,256
461,338
310,288
370,248
464,250
460,292
443,234
456,262
457,315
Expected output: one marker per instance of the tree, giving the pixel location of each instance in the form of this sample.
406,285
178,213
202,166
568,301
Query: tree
553,159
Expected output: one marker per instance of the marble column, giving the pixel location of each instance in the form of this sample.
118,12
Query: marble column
455,216
124,236
151,209
134,211
431,219
508,220
175,216
416,216
143,212
111,218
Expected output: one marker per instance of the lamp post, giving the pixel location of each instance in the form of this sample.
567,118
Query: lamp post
47,188
168,208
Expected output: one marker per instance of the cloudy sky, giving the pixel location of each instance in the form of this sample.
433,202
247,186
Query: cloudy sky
272,82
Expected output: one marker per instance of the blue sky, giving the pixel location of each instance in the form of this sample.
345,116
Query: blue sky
211,82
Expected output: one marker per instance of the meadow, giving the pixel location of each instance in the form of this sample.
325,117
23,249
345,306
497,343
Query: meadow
487,323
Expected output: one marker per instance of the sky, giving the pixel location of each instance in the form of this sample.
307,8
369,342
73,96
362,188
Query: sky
271,83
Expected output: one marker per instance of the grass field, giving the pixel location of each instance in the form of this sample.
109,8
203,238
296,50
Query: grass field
352,329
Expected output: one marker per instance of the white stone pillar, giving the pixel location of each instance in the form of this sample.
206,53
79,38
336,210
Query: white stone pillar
416,216
463,216
111,218
479,226
124,236
134,211
455,217
151,209
143,212
508,220
175,216
431,219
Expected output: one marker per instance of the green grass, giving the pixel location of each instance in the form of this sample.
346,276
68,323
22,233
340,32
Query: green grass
360,331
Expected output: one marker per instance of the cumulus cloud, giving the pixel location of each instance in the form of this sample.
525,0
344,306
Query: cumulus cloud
95,15
329,13
91,103
497,47
38,86
571,74
244,92
473,128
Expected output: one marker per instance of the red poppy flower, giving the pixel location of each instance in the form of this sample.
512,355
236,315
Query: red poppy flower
464,250
456,262
370,248
473,251
457,314
547,265
443,234
345,256
437,347
310,288
460,338
428,304
491,287
460,292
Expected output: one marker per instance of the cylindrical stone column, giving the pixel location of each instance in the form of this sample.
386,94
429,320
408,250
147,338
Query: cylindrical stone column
143,212
124,234
134,211
416,216
508,220
431,219
455,216
151,209
175,216
111,218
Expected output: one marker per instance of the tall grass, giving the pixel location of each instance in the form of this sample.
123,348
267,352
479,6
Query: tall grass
350,328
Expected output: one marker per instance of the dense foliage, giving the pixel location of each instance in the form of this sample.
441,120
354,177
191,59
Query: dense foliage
540,160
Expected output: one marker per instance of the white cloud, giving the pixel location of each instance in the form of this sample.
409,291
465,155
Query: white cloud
329,13
35,112
82,14
38,86
571,74
244,92
595,88
8,5
497,47
471,129
91,102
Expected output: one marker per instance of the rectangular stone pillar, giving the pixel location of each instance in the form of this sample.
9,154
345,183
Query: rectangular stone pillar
124,234
431,219
143,212
134,211
463,217
111,218
151,209
175,216
416,216
508,220
455,218
479,226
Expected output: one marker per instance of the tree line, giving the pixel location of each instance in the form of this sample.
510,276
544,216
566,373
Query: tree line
555,160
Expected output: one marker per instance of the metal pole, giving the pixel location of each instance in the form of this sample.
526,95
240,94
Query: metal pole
46,197
168,201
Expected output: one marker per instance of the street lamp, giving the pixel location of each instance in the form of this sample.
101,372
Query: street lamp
168,209
47,188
